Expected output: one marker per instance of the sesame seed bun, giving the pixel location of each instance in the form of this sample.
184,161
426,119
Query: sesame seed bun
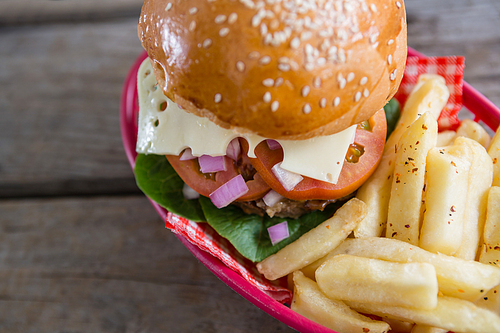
282,69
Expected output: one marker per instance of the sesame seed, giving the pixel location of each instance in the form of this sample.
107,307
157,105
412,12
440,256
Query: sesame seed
320,61
256,20
322,103
284,67
336,101
309,67
357,96
267,97
305,35
268,82
240,66
394,74
279,81
220,19
389,59
373,38
207,42
363,81
342,83
366,92
223,32
398,4
169,6
263,29
307,108
305,91
294,65
284,60
217,98
350,77
295,43
373,8
193,10
390,42
192,26
317,82
274,106
265,60
254,55
232,18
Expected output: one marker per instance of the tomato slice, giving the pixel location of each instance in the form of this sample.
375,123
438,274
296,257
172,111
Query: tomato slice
369,143
190,173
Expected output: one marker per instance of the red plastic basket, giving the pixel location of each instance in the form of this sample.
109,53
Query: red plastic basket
479,105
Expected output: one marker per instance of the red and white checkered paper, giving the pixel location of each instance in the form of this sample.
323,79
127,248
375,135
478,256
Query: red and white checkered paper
452,69
203,236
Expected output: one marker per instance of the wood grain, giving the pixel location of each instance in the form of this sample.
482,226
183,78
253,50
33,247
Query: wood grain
81,249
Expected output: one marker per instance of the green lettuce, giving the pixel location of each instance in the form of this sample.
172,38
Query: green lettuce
247,233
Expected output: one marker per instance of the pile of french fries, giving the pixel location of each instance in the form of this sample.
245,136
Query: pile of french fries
417,249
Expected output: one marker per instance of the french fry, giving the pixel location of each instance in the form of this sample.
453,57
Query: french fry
359,279
309,301
316,243
446,198
490,252
480,180
427,329
451,314
403,215
445,138
429,95
470,129
494,152
465,279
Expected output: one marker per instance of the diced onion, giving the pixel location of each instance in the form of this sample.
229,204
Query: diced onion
212,163
189,193
228,192
233,149
278,232
288,179
273,144
187,155
272,198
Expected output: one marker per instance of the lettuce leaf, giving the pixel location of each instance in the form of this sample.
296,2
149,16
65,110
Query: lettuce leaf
247,233
159,181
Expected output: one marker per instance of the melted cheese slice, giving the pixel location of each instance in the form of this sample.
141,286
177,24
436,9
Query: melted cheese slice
166,129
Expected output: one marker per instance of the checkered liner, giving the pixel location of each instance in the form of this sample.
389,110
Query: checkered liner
203,236
452,69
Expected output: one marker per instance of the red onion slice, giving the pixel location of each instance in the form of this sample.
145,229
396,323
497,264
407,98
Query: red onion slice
229,192
273,144
278,232
288,179
189,193
272,198
212,163
233,149
187,155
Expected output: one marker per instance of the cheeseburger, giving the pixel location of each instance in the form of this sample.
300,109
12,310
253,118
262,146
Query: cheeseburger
274,106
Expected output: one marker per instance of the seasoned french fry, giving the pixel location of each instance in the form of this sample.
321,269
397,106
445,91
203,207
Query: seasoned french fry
316,243
409,178
366,280
490,252
456,277
429,95
309,301
446,198
494,152
451,314
470,129
480,180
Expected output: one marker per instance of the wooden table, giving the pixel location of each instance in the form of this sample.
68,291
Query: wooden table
81,249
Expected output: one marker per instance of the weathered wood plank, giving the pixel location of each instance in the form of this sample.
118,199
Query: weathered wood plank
108,265
60,96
